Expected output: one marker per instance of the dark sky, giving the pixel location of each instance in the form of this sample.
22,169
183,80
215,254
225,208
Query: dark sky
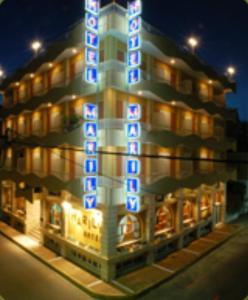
221,25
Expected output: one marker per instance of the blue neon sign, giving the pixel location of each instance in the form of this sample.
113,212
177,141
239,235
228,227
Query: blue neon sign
90,201
134,59
133,167
133,112
133,130
92,22
90,184
134,42
91,57
133,185
90,112
91,75
134,76
90,130
91,39
92,6
133,203
134,26
134,148
90,148
134,8
90,166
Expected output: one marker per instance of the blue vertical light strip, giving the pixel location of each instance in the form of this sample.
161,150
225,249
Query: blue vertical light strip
134,43
133,126
90,110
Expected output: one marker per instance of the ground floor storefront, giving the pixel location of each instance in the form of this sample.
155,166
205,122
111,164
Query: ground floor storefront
109,241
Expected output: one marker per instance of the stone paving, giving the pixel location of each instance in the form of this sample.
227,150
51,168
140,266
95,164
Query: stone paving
131,284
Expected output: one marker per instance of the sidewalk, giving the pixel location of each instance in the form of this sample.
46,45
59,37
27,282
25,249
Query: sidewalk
134,283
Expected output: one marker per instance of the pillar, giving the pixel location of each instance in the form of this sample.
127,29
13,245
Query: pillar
109,235
179,218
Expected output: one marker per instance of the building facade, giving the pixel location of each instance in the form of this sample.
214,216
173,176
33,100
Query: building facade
182,115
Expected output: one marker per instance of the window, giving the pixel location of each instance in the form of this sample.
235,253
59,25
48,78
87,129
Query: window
188,212
56,215
121,55
205,206
102,56
129,229
164,219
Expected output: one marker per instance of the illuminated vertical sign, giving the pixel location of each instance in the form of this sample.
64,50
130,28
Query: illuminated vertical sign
90,114
134,58
90,110
133,164
92,41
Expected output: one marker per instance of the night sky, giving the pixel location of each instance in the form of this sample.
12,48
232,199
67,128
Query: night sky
221,25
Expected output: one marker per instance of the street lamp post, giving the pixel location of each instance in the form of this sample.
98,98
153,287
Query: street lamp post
231,71
36,47
193,43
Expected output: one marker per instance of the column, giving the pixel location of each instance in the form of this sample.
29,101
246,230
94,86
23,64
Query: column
198,211
179,218
109,236
150,225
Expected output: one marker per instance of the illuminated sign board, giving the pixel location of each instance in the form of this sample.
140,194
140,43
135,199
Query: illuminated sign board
91,57
133,112
90,130
133,167
133,203
134,42
90,166
92,22
133,148
90,148
133,185
92,6
134,26
134,59
91,75
90,184
133,130
133,76
90,112
134,8
90,201
92,41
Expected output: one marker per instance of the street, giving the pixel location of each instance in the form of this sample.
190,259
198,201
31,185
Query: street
22,277
220,275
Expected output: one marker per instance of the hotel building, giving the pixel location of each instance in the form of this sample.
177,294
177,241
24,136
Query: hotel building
182,115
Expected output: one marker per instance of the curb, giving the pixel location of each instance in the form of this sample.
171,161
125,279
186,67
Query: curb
149,288
128,296
68,277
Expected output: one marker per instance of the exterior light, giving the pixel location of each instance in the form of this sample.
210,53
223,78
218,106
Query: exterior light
32,75
231,71
50,65
36,46
210,81
74,51
173,103
98,218
172,61
1,73
49,104
17,83
73,97
140,93
193,43
67,206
